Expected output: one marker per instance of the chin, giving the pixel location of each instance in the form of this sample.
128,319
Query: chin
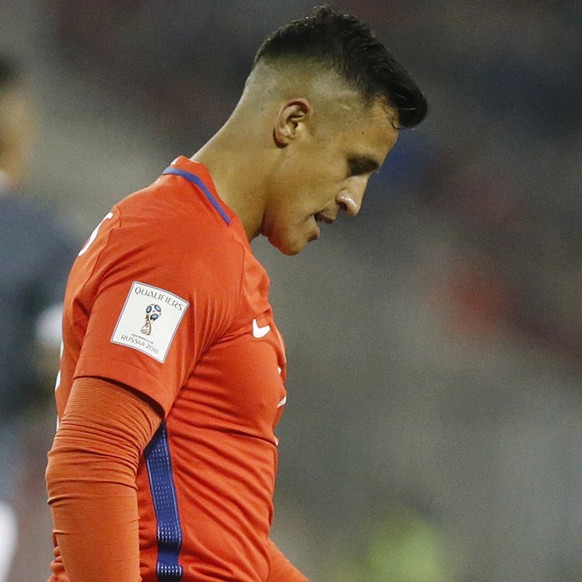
288,248
290,251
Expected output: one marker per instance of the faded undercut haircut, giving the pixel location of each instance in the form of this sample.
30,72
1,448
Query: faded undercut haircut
344,44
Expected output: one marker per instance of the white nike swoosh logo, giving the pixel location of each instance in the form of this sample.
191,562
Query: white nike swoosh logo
258,331
282,402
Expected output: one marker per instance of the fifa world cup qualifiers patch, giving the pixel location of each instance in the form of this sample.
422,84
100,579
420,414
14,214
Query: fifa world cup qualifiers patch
149,320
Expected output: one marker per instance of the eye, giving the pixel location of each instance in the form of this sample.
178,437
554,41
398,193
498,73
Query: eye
356,168
361,166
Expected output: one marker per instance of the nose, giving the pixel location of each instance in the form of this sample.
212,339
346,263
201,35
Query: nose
350,199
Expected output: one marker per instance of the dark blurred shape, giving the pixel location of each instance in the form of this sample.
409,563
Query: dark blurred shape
36,252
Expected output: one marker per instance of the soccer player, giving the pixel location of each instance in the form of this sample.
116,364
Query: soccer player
172,375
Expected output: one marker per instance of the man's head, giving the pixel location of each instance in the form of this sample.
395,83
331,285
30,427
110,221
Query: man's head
17,123
320,111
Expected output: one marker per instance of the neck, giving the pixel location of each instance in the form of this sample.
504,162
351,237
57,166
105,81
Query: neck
232,158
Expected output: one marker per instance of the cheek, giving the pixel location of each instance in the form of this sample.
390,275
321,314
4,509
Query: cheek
294,202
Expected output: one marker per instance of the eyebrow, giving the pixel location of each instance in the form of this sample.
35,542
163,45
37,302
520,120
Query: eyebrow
364,164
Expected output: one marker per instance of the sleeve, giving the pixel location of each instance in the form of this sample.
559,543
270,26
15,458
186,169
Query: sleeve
91,484
157,295
281,570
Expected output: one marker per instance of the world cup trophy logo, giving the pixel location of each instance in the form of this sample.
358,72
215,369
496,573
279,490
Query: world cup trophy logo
152,313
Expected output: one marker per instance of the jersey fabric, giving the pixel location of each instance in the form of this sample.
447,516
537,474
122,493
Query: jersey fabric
167,297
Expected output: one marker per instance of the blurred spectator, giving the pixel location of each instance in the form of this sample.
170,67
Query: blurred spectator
35,255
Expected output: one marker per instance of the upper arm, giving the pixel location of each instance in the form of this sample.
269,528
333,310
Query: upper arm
133,269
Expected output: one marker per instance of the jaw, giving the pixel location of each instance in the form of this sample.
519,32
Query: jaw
292,240
286,249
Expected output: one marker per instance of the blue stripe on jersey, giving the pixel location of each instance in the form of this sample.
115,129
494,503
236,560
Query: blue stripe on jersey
198,182
169,530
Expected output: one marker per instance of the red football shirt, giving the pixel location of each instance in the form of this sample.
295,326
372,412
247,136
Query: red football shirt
167,298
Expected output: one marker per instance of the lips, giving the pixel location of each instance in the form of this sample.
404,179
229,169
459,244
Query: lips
323,217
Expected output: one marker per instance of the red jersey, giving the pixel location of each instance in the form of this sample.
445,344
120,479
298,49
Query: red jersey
167,298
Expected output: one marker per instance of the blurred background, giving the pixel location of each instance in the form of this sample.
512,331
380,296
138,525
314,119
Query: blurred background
433,431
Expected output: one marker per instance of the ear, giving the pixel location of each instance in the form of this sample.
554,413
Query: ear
292,120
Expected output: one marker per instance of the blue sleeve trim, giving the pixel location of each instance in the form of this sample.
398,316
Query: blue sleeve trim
169,529
198,182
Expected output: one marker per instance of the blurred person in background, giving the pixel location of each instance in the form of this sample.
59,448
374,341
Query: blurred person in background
172,375
36,253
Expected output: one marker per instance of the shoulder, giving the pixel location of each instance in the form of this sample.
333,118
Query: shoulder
172,231
177,219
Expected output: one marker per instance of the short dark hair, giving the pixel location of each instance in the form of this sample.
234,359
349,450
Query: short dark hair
343,43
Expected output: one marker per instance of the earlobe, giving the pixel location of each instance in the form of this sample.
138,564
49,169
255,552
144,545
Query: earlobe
292,117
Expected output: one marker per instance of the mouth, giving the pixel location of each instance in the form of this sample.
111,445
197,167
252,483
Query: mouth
320,218
323,218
